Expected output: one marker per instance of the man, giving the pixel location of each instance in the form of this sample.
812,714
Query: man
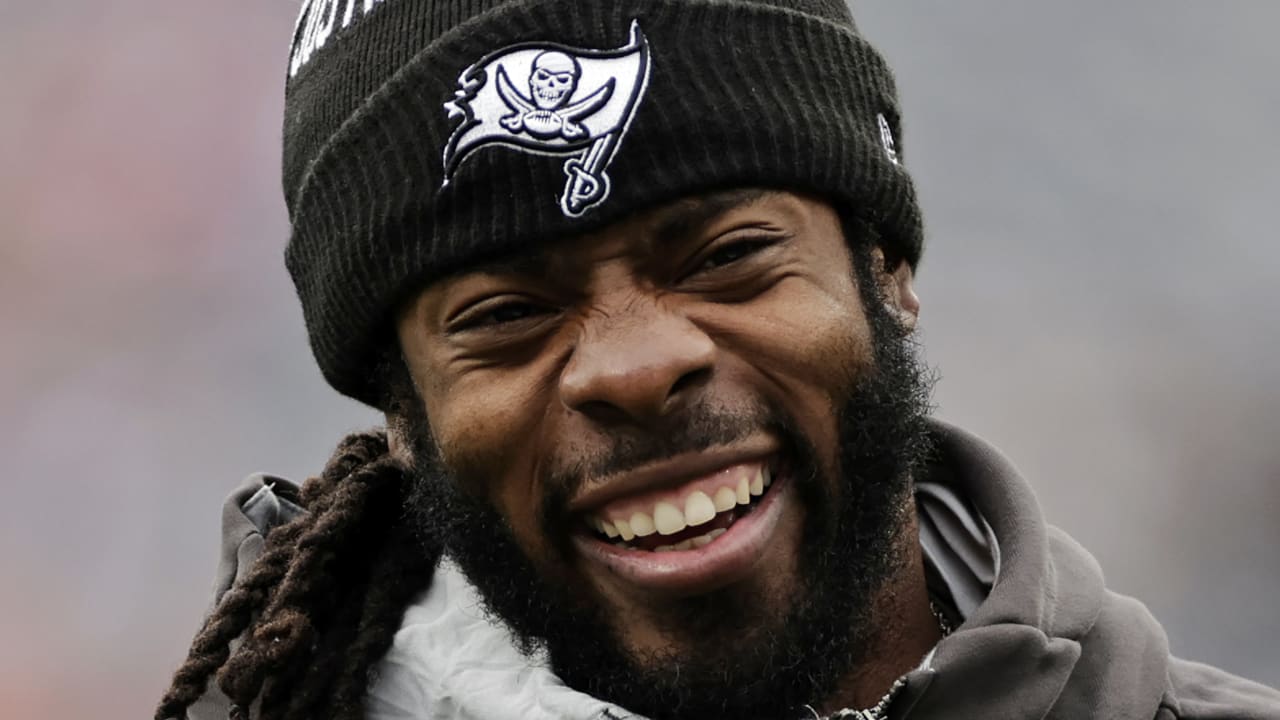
633,285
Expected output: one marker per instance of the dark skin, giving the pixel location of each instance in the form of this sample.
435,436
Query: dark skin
728,299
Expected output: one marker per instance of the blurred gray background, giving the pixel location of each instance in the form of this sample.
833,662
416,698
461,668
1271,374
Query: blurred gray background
1100,181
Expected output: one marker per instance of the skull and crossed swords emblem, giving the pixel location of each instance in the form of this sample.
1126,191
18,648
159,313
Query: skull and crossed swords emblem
547,114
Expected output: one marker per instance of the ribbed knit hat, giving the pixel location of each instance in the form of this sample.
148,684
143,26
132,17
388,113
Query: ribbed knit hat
423,136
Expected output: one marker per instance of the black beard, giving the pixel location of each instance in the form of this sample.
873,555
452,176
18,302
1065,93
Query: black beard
747,664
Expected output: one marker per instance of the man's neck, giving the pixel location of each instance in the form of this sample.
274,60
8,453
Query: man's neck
906,630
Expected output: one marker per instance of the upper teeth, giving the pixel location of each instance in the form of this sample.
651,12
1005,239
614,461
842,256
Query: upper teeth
669,517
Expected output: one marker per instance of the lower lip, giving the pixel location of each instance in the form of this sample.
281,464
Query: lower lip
727,559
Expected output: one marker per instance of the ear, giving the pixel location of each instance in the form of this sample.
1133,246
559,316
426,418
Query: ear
397,443
400,393
897,289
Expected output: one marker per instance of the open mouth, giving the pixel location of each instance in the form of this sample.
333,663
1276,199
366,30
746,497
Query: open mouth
686,518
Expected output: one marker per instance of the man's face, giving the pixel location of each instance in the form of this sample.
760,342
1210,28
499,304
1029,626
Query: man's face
670,447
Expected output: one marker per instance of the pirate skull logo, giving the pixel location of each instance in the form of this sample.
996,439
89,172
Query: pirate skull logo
553,80
548,114
569,101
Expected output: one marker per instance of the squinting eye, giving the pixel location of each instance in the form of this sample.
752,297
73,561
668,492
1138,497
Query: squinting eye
499,315
509,313
733,252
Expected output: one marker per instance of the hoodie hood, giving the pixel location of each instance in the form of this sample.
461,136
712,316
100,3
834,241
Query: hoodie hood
1049,641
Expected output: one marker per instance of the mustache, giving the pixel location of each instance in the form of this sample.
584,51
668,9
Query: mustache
696,430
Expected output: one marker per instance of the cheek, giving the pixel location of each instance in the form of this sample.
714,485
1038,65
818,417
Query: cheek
476,415
804,335
809,345
487,426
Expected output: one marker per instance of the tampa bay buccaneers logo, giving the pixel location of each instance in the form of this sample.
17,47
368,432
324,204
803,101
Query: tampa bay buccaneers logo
550,99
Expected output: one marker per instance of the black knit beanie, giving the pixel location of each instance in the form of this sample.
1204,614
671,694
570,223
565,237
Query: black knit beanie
422,136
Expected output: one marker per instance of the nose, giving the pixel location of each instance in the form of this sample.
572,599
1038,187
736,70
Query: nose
637,367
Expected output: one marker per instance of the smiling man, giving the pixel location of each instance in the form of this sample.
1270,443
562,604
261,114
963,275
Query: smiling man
632,283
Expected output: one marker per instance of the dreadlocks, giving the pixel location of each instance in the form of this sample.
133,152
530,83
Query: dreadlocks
323,601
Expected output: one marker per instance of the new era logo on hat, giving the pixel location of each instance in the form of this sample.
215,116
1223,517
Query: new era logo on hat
550,99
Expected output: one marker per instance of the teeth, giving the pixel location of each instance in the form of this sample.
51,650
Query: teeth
642,524
725,499
624,529
692,543
704,540
667,518
698,509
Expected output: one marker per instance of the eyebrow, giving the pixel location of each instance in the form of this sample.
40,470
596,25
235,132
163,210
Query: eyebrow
533,264
676,223
687,218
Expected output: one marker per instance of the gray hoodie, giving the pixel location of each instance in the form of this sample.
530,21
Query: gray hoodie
1048,641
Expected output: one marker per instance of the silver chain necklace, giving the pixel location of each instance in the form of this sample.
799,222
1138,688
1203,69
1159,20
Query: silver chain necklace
877,711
